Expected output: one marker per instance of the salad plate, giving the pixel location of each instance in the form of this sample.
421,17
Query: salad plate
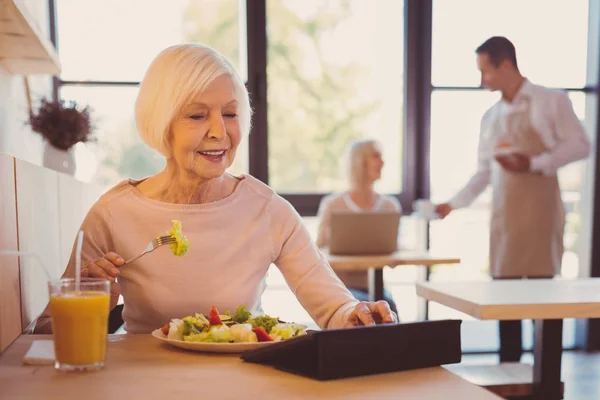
227,333
210,347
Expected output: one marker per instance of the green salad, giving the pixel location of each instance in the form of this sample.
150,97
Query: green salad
240,327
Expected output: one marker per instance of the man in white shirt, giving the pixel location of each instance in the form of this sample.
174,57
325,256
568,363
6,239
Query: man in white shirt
525,138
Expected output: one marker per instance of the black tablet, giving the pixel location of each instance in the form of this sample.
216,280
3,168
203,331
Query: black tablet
340,353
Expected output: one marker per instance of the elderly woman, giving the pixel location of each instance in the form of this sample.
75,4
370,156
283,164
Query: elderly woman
194,109
364,168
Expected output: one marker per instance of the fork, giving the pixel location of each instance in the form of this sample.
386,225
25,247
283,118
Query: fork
153,245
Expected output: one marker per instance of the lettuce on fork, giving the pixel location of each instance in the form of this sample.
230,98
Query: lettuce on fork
182,244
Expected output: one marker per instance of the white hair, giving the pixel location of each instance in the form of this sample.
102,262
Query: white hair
177,75
355,155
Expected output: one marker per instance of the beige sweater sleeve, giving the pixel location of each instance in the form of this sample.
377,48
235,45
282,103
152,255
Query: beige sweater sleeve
304,268
97,241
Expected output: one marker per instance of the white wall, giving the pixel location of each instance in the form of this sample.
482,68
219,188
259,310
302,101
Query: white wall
16,139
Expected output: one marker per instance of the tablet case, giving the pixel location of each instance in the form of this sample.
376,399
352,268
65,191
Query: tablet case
365,350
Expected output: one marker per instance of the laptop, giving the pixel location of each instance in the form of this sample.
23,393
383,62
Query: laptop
364,233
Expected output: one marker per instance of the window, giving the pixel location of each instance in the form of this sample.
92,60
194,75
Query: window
105,48
456,111
456,116
118,151
349,52
335,73
550,38
116,40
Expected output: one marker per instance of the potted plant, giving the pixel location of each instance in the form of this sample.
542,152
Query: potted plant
62,126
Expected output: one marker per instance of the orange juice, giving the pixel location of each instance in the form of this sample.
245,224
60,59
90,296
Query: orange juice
80,326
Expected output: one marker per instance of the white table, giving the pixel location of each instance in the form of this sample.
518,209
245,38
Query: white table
546,301
374,265
141,367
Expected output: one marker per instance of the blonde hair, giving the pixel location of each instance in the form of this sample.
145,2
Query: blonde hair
355,155
176,76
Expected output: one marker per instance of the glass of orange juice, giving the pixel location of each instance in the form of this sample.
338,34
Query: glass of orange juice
79,323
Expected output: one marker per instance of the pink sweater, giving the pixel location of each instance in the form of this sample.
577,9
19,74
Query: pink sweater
233,242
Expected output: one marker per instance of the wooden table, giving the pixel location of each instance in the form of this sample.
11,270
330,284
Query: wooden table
141,367
546,301
374,265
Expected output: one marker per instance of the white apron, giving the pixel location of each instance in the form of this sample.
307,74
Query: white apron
528,217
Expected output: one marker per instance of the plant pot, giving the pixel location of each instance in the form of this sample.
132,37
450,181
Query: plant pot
59,160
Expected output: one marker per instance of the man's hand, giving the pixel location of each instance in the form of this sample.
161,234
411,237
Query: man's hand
443,210
514,162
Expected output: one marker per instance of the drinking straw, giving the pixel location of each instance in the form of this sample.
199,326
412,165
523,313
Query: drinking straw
78,261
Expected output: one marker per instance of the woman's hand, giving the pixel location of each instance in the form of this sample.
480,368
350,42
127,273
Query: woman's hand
371,313
105,267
